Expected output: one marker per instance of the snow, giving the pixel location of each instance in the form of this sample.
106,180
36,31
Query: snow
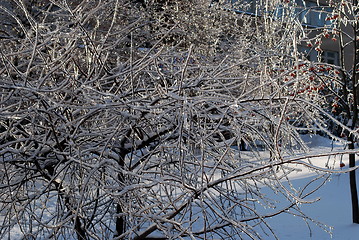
333,209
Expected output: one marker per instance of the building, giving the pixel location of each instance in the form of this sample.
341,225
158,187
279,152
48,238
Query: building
324,43
317,20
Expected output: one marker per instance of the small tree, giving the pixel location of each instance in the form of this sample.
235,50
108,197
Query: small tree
340,78
123,120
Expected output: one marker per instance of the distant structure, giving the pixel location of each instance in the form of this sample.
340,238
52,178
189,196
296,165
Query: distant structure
316,17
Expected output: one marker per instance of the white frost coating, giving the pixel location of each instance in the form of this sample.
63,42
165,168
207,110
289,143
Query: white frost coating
183,128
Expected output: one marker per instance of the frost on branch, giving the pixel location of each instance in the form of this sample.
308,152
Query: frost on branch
119,121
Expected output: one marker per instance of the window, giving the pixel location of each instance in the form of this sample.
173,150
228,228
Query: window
311,14
308,53
280,12
248,6
330,57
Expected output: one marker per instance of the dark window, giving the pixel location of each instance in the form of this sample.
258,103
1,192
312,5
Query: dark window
248,6
311,14
330,57
309,53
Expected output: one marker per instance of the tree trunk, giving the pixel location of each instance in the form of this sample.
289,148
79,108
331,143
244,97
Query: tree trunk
355,80
353,186
120,221
81,234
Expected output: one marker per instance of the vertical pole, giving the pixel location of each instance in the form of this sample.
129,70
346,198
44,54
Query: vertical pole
353,185
355,78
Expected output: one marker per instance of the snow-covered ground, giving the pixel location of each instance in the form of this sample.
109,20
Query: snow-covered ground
333,209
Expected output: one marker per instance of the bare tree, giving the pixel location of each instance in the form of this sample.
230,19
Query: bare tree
339,34
123,120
